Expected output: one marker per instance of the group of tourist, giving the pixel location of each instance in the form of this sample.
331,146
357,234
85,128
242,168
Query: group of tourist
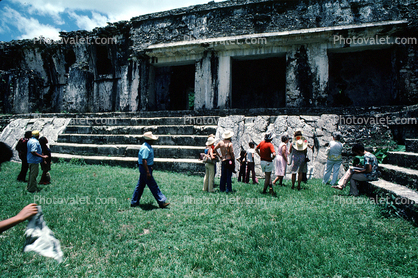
295,155
34,151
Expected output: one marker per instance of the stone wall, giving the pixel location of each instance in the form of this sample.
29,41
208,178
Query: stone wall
48,127
119,75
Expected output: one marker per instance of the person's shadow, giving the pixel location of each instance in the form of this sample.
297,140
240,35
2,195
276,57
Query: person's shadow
148,206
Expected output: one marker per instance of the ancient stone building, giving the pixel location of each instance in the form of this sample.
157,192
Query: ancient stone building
233,54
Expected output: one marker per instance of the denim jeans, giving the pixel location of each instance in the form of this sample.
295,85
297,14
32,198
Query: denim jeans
226,178
152,185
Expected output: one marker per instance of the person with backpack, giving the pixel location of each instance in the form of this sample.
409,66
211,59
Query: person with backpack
22,149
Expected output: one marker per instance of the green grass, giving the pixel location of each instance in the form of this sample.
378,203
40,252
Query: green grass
315,232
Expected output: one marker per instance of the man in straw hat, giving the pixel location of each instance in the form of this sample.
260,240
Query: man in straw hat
228,161
146,163
267,153
34,157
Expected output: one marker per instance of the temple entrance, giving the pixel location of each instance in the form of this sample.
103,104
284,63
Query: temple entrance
362,78
174,87
259,83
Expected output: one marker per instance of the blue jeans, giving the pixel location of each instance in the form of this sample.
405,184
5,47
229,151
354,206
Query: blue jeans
226,175
139,189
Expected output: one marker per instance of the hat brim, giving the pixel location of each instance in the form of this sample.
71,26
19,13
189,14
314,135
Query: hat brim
227,135
303,147
153,138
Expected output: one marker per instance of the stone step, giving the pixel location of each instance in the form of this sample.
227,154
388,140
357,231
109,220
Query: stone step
406,195
192,166
126,150
139,121
403,159
399,175
411,145
161,129
177,140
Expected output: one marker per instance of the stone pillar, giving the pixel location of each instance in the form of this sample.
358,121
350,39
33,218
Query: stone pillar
146,95
203,88
293,98
319,64
224,82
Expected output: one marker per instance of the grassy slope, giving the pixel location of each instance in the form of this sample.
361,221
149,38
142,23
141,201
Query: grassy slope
245,234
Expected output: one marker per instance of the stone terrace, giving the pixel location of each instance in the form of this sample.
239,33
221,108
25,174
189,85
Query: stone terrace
116,141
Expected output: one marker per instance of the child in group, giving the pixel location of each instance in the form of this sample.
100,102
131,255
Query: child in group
243,166
46,163
251,164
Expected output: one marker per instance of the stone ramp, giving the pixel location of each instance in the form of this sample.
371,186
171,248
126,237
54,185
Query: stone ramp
116,141
398,190
399,178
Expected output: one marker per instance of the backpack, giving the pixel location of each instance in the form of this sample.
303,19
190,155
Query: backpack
22,146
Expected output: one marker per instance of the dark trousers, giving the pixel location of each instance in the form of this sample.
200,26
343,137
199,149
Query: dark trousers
23,169
152,185
251,169
226,178
241,175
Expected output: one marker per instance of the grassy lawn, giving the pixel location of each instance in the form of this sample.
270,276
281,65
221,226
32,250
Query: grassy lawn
315,232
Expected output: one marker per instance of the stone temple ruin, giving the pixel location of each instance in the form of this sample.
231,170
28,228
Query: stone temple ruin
248,65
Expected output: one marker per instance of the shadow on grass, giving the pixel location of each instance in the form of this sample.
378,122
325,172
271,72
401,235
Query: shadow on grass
148,206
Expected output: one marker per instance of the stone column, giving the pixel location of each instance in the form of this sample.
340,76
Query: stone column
203,88
292,90
224,82
319,64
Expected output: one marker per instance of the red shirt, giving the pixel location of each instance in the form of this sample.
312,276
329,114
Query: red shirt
266,149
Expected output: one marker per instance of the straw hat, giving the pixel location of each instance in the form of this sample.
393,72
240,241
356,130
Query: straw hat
227,134
149,136
35,133
300,143
210,141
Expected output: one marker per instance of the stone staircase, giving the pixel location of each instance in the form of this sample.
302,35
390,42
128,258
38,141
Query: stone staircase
399,177
116,141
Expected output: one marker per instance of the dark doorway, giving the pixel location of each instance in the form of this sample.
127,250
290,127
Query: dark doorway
174,87
259,83
362,78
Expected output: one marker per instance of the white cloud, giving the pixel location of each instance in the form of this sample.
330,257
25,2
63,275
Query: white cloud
86,23
29,27
102,11
114,10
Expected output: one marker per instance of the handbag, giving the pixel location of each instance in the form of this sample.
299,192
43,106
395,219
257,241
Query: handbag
202,156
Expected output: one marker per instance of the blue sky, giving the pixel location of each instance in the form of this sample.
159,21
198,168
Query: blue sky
27,19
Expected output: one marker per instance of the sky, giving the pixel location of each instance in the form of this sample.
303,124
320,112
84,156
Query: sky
27,19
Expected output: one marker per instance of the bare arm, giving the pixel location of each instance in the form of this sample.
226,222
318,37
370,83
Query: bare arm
26,213
39,155
284,153
145,164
